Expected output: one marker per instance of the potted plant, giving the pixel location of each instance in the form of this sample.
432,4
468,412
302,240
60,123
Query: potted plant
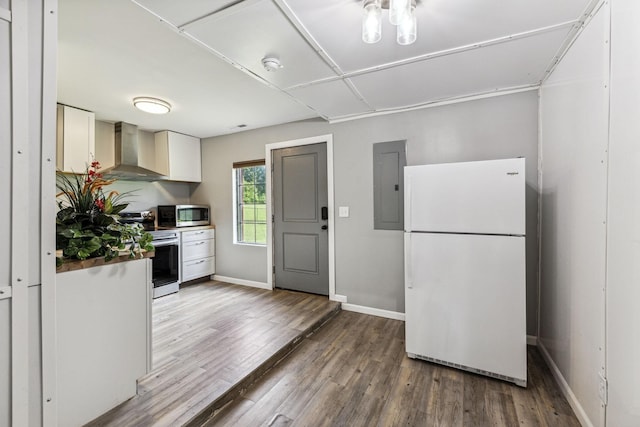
87,222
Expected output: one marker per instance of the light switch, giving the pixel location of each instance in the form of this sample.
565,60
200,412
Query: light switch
343,211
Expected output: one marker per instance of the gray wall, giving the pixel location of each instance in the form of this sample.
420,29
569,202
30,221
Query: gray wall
369,263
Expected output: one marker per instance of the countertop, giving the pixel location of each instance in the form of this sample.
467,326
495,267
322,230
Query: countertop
73,265
194,228
94,262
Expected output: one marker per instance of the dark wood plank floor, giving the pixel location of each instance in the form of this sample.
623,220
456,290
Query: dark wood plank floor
354,372
209,338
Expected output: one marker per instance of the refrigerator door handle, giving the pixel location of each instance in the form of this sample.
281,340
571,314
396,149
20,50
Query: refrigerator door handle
408,263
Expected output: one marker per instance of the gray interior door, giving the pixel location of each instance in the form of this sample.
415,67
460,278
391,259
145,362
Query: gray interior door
300,220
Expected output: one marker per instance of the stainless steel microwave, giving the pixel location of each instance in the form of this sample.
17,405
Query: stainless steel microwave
183,215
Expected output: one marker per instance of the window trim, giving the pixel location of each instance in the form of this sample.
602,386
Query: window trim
234,180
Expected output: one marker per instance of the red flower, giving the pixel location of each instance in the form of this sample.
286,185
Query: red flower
95,164
100,204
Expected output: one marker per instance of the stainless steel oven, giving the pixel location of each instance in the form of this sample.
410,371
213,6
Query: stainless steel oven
166,263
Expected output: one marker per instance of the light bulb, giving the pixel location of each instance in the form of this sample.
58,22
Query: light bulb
372,21
407,29
398,9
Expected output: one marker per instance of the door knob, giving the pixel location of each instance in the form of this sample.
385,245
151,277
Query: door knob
325,227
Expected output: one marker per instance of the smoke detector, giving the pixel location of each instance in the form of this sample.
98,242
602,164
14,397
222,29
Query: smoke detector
271,63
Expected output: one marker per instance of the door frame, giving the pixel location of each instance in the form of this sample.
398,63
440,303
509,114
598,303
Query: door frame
328,140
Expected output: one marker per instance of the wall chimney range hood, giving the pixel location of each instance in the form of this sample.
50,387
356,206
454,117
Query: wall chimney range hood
127,156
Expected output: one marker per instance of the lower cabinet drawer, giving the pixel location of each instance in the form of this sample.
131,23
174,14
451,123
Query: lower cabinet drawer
198,268
188,236
198,249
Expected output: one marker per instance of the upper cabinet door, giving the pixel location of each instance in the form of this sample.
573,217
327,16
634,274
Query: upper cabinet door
178,156
75,139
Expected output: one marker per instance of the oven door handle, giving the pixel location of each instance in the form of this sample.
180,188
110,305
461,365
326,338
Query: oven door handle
160,243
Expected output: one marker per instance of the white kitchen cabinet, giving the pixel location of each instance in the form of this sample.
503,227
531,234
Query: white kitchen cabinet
103,332
75,139
178,156
105,144
198,253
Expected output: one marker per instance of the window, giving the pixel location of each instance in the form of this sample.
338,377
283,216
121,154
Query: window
250,208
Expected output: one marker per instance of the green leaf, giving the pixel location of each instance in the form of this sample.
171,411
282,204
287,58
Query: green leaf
119,208
83,254
83,233
68,233
92,245
108,206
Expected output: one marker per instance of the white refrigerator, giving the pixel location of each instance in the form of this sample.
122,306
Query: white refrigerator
465,298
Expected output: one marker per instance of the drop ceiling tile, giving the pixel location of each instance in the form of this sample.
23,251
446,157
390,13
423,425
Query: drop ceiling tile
515,63
180,12
252,30
442,25
102,70
331,99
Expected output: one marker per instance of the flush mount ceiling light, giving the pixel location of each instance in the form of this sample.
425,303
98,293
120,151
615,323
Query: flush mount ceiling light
152,105
401,14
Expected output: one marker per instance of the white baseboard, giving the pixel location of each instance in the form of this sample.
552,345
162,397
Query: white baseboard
243,282
339,298
564,387
532,340
373,311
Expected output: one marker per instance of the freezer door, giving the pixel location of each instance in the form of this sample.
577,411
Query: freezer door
465,301
486,197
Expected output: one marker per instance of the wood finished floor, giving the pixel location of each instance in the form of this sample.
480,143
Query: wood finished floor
354,372
208,338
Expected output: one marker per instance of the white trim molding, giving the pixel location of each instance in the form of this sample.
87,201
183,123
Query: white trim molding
20,204
437,103
328,139
243,282
48,288
373,311
565,388
532,340
339,298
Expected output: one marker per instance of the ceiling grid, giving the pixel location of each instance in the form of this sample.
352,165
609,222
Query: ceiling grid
463,49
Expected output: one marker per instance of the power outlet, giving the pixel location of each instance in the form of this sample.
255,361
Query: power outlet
602,388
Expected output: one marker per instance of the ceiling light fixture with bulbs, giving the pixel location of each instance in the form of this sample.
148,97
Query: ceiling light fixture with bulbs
152,105
401,14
